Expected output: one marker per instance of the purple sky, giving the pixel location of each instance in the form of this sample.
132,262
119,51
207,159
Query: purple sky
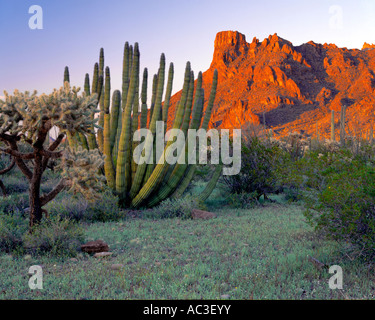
74,31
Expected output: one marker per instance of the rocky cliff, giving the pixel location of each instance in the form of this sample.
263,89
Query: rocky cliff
292,87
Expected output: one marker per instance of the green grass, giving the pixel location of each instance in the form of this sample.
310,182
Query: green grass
247,254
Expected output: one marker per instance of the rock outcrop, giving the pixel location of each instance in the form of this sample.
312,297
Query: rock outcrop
295,87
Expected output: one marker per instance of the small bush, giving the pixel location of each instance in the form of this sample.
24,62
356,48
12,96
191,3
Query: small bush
79,209
243,200
12,228
14,203
58,236
259,162
174,208
343,204
292,194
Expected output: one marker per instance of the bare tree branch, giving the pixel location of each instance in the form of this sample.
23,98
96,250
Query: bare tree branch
17,154
51,195
8,168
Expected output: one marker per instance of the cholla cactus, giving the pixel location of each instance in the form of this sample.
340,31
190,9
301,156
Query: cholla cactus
80,171
28,118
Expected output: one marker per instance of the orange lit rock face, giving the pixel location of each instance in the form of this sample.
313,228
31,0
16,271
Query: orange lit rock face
294,86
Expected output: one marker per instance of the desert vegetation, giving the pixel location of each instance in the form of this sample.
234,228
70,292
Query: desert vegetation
297,199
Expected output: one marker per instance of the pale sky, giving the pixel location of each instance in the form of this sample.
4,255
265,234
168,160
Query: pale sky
74,31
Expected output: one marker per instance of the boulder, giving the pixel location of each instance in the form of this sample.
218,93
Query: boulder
200,214
95,246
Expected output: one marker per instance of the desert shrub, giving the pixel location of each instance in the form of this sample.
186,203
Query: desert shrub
243,200
292,194
174,208
12,228
79,209
15,184
14,203
259,161
5,160
343,205
56,236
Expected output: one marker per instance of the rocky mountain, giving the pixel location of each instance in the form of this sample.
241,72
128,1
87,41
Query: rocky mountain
294,88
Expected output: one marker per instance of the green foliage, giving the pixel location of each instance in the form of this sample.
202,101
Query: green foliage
79,209
14,203
174,208
243,200
343,200
12,229
57,236
259,163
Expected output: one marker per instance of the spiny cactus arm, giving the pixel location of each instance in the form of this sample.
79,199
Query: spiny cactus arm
115,111
82,137
188,105
156,114
154,90
117,138
143,121
101,102
125,73
104,107
95,79
107,90
144,170
139,177
333,125
71,138
87,84
168,93
91,138
66,74
182,186
108,164
184,183
83,140
211,100
135,120
342,125
211,184
173,179
179,114
160,169
126,68
123,173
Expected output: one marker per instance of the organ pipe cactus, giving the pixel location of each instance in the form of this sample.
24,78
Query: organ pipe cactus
146,184
333,125
342,125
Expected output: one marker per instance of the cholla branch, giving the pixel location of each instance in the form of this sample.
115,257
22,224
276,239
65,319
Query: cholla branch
80,171
10,167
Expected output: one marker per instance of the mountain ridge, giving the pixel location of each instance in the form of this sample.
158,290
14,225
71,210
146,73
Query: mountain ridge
293,87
